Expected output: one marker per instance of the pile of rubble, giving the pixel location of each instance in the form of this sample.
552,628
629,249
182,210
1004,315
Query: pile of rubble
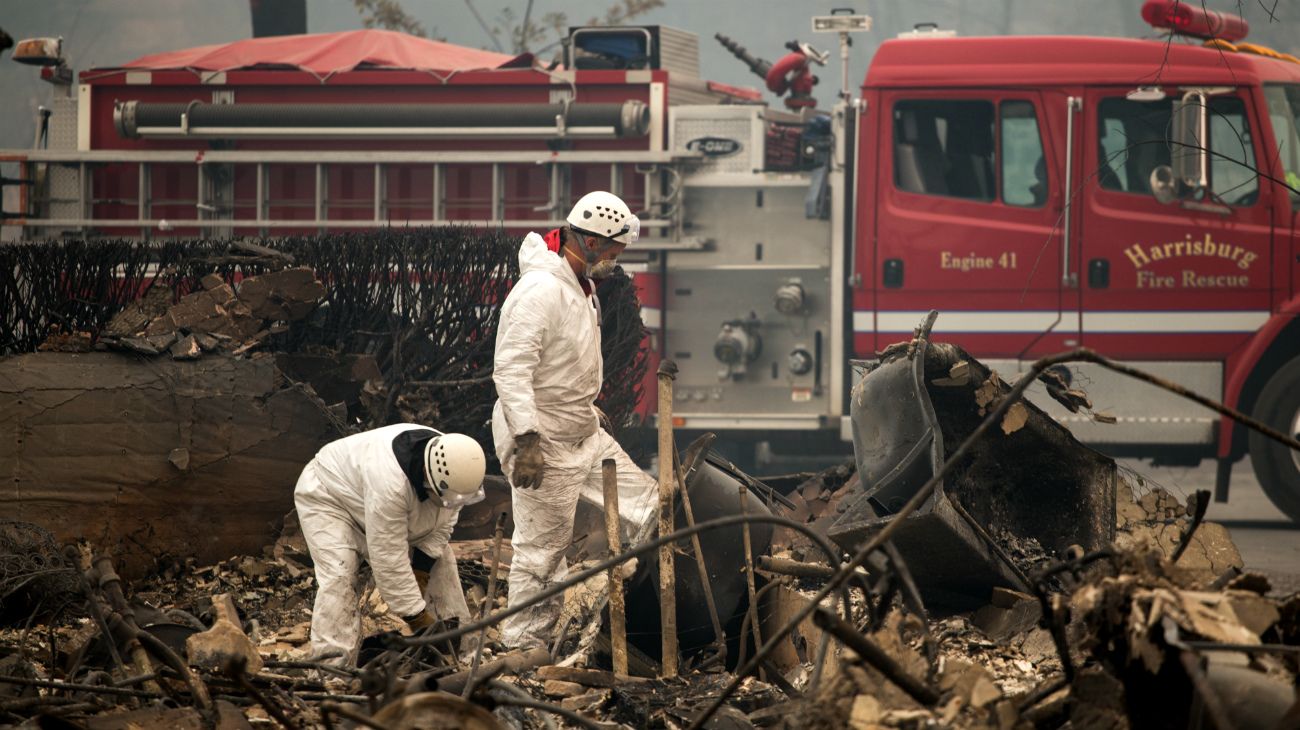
213,319
1137,627
1142,635
1003,577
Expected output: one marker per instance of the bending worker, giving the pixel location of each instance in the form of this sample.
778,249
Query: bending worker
390,496
548,372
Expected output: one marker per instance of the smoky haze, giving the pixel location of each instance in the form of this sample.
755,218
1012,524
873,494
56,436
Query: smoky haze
111,32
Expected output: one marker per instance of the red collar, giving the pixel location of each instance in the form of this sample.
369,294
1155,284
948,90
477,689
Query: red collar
553,240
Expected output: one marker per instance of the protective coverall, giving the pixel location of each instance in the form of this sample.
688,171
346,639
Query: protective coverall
356,501
548,372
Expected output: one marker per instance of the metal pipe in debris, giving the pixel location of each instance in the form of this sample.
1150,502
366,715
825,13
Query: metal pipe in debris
667,575
749,568
617,609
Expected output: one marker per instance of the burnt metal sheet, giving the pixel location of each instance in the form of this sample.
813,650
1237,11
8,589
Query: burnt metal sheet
715,487
88,446
1035,483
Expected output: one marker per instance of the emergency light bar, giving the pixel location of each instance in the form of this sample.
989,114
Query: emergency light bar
39,51
1185,18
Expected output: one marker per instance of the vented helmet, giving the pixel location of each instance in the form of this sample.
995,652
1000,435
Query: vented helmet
453,468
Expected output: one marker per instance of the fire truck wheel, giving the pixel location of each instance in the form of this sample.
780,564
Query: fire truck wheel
1276,466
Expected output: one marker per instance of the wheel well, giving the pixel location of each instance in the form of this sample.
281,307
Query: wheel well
1283,348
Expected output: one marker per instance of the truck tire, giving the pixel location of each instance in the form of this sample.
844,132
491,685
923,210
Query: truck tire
1276,466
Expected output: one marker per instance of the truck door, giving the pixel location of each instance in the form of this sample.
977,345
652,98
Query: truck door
968,204
1176,285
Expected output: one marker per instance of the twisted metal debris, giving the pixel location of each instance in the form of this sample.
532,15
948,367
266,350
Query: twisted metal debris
35,581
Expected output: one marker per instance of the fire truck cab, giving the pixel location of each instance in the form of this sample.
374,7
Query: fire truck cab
1138,197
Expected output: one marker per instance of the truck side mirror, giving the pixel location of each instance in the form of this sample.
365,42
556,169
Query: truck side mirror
1188,151
1163,184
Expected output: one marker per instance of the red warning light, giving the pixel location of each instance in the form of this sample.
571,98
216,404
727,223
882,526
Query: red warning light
1185,18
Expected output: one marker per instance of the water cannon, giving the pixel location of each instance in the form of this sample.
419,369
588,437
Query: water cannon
759,66
789,75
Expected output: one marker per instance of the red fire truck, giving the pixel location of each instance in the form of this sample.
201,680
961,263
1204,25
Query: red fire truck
1138,197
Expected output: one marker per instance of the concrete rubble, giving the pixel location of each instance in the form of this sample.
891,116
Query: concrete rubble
135,443
129,598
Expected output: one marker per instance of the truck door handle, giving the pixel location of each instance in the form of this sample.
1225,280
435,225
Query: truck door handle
893,273
1099,274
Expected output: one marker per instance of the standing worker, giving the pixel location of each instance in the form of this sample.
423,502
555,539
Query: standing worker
390,496
548,372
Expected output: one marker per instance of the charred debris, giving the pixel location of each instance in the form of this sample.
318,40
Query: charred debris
973,567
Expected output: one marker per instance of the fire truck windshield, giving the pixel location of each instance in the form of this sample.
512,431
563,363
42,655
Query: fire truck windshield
1284,113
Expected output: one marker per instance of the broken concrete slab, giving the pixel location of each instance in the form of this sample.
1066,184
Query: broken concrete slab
288,294
86,442
135,317
212,311
214,317
186,348
148,345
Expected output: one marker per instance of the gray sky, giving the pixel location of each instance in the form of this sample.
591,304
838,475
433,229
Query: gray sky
110,32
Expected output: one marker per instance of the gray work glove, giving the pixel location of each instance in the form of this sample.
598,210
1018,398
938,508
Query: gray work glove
528,461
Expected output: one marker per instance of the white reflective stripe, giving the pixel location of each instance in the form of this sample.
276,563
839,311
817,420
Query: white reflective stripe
1211,321
982,321
1141,419
990,322
650,317
863,321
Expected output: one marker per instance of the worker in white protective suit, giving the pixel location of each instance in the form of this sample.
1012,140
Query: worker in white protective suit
548,372
389,496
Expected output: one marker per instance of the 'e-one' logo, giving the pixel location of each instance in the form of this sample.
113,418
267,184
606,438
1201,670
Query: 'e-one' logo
714,146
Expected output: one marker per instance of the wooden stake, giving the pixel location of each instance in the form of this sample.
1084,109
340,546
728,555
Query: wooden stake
667,575
617,611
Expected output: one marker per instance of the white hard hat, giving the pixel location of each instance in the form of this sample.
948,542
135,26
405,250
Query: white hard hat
599,213
453,467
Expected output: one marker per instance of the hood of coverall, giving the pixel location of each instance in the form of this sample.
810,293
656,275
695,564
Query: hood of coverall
538,253
551,391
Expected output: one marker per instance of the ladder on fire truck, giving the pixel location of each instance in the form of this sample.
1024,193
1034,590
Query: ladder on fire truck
66,201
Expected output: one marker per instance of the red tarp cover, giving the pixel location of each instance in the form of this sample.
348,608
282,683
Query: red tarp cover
324,54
